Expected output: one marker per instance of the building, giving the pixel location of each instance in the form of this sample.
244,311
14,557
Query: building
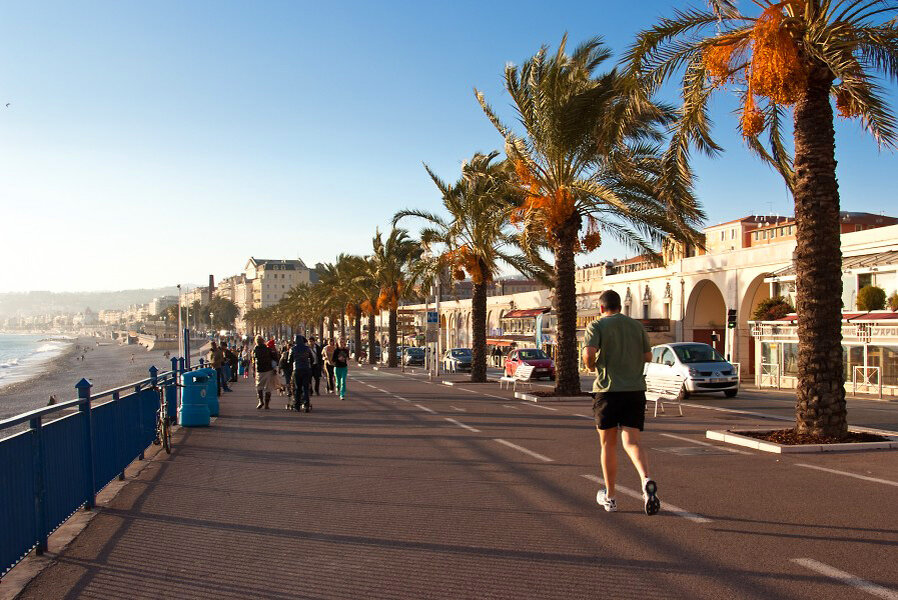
159,305
272,279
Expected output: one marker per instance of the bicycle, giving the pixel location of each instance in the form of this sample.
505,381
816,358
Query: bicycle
163,423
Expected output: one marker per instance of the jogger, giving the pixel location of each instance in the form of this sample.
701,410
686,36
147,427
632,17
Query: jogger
617,347
341,366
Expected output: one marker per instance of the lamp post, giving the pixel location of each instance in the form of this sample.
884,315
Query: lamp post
211,326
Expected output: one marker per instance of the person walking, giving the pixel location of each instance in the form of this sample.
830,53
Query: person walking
617,348
264,366
300,361
216,360
327,355
341,367
316,366
286,370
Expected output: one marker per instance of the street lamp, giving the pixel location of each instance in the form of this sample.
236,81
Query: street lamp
211,326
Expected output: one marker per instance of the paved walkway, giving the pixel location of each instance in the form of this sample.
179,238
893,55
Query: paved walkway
410,489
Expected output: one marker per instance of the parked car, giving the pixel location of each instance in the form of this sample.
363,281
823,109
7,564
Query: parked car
543,366
457,359
700,366
413,356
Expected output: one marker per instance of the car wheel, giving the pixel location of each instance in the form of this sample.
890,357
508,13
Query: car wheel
730,393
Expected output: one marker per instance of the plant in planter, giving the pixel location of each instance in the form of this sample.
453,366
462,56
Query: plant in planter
893,301
871,298
772,309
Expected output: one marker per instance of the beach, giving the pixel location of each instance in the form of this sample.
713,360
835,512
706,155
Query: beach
107,366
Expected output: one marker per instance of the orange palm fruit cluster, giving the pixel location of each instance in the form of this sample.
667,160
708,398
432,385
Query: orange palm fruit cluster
845,104
368,308
593,238
752,118
777,71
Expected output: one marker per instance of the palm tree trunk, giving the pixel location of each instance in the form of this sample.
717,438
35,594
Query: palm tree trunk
357,331
321,328
343,326
394,335
567,374
330,327
820,398
371,338
478,333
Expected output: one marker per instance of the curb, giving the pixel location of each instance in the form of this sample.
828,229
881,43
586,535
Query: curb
532,398
728,437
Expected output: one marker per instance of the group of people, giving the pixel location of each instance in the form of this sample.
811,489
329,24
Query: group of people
302,364
219,355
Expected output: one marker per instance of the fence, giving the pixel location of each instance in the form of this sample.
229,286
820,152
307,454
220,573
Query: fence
769,376
54,468
864,376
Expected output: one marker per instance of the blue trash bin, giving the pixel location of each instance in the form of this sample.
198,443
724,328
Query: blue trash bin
211,389
194,409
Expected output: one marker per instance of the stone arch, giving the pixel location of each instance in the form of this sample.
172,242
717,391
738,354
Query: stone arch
756,292
706,312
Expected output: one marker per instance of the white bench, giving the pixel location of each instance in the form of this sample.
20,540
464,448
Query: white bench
521,376
663,389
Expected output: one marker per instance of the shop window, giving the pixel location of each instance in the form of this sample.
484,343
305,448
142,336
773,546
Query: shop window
863,280
886,358
852,356
790,359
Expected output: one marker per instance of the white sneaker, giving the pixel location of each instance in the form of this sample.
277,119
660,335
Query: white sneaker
609,504
649,494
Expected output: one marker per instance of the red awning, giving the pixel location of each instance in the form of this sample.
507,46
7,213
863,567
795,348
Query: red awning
525,312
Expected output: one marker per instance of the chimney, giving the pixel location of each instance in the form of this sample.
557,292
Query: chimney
211,287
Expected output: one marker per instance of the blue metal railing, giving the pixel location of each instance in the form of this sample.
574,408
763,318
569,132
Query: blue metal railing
53,468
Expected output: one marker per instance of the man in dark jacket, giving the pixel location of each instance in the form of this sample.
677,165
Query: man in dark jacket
265,372
301,362
216,360
316,365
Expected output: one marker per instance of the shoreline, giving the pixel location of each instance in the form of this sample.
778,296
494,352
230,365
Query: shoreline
43,367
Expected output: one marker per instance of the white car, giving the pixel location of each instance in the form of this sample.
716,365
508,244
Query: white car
700,366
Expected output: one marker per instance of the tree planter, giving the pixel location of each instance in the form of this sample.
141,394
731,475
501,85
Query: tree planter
741,438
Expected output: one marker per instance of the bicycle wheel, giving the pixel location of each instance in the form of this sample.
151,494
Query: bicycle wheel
165,435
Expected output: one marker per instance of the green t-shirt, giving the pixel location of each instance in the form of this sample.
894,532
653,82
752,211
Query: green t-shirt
621,343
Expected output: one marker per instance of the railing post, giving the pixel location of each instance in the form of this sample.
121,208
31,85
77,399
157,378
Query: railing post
40,490
83,388
176,376
182,365
120,422
202,363
137,389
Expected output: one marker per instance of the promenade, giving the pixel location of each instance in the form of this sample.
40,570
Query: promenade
413,489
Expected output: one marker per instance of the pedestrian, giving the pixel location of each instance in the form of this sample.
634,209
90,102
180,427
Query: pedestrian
617,348
216,361
328,358
316,366
264,365
232,360
286,371
341,367
301,363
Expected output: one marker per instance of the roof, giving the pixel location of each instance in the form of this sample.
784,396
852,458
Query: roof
889,257
526,312
753,219
288,264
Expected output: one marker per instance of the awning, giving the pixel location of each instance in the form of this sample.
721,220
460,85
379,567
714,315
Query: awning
526,312
508,340
848,317
849,263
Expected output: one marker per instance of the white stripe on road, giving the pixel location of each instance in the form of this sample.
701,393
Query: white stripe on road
457,408
430,410
691,441
591,418
462,425
738,412
401,398
511,406
846,578
524,450
847,474
664,503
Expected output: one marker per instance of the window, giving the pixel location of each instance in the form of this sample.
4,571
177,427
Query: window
782,231
668,357
645,310
863,280
764,235
757,236
656,354
723,235
732,234
791,229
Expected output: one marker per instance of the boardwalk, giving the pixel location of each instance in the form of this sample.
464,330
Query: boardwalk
416,490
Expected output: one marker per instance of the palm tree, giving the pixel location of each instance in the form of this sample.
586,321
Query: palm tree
589,154
795,54
391,260
366,286
475,238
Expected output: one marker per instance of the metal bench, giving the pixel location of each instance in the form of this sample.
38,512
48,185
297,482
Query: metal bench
521,376
664,389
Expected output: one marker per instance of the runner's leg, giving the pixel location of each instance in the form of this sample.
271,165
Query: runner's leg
630,439
608,441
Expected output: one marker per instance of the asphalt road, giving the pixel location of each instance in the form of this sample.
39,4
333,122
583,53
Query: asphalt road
413,489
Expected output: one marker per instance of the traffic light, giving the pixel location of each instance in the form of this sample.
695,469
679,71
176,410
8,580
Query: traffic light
731,318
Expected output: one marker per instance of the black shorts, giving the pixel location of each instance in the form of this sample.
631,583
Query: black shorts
619,409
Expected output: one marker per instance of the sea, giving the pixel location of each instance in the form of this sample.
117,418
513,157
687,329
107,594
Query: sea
24,355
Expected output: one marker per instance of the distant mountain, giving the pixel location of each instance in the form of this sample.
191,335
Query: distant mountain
38,303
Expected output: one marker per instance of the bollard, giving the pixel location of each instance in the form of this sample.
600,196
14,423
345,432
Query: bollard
90,498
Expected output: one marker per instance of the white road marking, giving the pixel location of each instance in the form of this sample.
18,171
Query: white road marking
847,474
458,409
665,505
511,406
738,412
590,417
539,406
462,425
524,450
846,578
691,441
401,398
430,410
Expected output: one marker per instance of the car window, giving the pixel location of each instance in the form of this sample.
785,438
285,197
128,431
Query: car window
656,354
532,354
461,353
668,357
696,353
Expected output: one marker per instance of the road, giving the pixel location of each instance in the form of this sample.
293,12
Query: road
413,489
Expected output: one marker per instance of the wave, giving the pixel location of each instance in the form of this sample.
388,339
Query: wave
10,363
50,347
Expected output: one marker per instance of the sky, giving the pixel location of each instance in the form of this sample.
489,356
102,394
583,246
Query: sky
154,143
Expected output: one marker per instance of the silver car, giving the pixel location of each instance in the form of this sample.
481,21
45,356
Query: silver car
700,366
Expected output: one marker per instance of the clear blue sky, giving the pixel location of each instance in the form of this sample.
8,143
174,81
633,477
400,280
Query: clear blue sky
152,143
